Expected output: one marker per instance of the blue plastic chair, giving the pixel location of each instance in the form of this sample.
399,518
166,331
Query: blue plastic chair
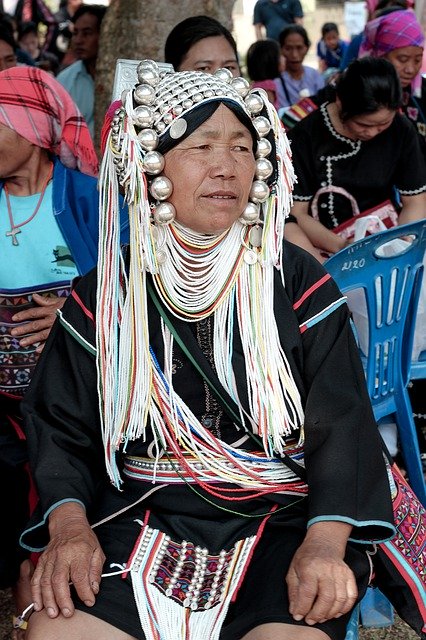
392,287
391,323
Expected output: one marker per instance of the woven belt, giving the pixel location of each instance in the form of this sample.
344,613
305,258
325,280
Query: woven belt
171,470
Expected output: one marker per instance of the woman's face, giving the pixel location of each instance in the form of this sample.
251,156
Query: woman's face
294,51
212,172
407,62
15,153
368,125
7,56
210,54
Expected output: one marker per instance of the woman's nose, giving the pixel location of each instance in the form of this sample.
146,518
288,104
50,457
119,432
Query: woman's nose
223,163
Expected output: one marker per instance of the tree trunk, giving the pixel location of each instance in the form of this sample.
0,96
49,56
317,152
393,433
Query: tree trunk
138,29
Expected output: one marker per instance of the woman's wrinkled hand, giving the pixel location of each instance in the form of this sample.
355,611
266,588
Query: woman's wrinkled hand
73,556
37,321
320,584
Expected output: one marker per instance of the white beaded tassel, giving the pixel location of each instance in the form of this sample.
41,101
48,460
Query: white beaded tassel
124,382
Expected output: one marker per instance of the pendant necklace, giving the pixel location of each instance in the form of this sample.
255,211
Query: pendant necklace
16,228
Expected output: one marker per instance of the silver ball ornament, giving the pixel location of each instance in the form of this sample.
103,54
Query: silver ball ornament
144,94
148,139
161,188
148,72
251,213
264,168
153,163
264,148
164,213
254,103
262,126
259,191
143,116
241,86
223,74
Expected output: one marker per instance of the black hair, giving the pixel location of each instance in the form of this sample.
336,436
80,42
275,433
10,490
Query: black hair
25,28
329,27
294,28
6,34
200,114
97,10
263,59
388,6
367,85
190,31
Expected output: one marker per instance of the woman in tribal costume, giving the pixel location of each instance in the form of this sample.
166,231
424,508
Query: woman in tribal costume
201,437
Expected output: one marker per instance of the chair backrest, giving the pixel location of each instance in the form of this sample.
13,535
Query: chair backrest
391,283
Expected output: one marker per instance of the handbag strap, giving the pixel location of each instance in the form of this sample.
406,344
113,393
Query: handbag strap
209,376
333,189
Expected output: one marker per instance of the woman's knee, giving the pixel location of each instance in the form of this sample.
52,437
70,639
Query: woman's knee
81,626
279,631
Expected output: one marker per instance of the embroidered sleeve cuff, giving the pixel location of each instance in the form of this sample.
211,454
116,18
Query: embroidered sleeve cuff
36,537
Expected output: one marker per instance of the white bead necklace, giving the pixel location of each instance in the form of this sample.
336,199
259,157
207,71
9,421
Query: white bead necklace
199,269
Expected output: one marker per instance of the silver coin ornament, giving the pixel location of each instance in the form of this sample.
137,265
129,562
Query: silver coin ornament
264,148
259,191
264,168
164,213
255,236
148,139
250,257
161,188
144,94
153,163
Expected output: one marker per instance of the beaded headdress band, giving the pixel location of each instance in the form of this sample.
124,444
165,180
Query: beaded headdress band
236,268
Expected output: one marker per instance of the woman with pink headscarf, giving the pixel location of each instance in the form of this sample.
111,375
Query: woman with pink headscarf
399,37
48,236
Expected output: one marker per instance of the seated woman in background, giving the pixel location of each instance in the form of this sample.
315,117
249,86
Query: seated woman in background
298,80
201,43
361,143
399,38
264,63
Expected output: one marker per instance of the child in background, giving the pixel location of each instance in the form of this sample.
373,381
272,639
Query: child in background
330,49
264,63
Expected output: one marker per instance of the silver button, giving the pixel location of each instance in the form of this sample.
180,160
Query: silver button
322,158
323,183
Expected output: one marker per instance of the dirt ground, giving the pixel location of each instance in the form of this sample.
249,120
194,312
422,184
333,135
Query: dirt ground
398,631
